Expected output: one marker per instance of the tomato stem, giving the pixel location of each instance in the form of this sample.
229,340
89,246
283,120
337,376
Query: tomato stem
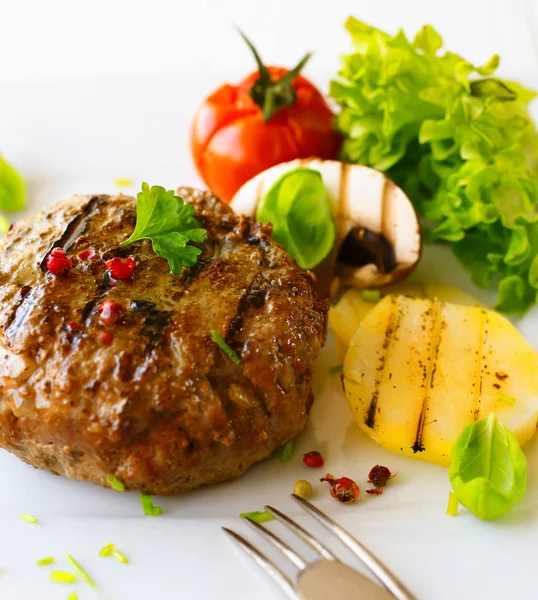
271,95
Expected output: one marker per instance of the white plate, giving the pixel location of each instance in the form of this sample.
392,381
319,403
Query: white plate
80,136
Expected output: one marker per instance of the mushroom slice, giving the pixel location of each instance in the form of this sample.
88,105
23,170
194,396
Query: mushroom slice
378,239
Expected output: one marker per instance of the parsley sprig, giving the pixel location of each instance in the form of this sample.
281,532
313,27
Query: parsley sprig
163,218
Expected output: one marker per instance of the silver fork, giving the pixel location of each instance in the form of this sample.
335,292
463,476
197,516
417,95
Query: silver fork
327,577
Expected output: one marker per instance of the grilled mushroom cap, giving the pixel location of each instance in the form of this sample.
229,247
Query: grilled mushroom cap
378,239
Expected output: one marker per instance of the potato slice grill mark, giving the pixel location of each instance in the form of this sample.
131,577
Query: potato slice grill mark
430,371
393,324
480,364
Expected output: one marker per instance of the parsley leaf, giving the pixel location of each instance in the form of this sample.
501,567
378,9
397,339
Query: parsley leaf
163,218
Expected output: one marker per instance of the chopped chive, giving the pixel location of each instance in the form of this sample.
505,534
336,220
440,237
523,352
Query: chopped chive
370,295
107,550
149,508
506,399
224,347
72,596
258,516
115,483
336,369
123,182
81,571
110,550
452,508
63,577
287,452
45,561
29,518
121,557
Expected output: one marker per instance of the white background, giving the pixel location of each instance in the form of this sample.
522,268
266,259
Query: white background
74,38
97,90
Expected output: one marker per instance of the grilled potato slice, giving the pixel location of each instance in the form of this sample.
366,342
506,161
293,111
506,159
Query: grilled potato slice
346,316
418,370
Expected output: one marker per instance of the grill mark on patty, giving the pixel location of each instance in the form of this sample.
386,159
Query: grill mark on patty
393,325
25,306
153,327
250,298
192,273
75,228
21,295
142,305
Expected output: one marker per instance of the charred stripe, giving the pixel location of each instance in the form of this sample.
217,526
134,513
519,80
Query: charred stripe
153,327
75,228
393,325
481,361
28,299
435,342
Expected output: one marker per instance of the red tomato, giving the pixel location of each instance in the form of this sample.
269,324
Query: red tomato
235,137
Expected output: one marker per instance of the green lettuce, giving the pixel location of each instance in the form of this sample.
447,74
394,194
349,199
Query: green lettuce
460,143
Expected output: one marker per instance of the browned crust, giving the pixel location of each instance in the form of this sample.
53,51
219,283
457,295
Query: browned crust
161,408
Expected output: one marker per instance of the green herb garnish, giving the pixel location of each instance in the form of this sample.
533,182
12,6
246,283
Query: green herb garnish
370,295
81,571
115,483
459,142
29,518
149,508
121,557
287,452
110,550
45,561
336,369
506,399
218,339
452,508
298,207
63,577
163,218
258,516
107,550
488,470
12,191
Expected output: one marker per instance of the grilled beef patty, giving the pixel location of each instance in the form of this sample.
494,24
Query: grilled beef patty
155,401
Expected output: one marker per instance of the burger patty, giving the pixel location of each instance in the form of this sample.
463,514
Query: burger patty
154,401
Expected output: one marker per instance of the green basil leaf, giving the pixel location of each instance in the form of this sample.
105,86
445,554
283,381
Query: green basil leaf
298,207
488,470
12,190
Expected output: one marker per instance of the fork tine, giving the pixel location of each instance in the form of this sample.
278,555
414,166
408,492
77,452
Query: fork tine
278,543
302,533
270,568
388,579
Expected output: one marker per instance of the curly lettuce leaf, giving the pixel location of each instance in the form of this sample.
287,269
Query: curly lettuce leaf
461,144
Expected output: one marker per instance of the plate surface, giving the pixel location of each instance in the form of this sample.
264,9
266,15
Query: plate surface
79,136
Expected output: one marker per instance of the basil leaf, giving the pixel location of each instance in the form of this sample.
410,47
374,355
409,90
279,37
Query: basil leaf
298,207
12,191
488,470
163,218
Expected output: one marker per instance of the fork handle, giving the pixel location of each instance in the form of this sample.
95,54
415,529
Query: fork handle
331,579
